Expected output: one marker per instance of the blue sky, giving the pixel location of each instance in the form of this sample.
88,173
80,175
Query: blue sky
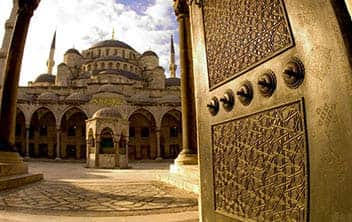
143,24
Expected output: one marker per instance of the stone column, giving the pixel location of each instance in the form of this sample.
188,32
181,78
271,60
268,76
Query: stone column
189,131
4,50
11,74
97,151
158,147
58,144
27,141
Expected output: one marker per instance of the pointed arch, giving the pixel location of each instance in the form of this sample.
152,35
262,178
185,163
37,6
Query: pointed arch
142,135
171,134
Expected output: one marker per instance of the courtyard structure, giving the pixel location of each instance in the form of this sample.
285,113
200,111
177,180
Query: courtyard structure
77,193
58,114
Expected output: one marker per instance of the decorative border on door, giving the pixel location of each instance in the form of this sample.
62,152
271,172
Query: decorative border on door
242,34
260,165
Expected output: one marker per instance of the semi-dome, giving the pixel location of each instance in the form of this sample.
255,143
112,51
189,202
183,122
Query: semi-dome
108,88
107,113
72,51
77,97
172,82
45,78
112,43
150,53
48,96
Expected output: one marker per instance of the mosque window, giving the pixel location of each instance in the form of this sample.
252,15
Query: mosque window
72,131
173,131
145,132
43,130
107,142
132,132
18,130
31,132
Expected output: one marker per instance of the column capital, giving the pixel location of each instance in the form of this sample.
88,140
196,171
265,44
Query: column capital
27,7
181,7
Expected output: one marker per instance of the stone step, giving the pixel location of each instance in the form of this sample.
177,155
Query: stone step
180,181
187,171
8,182
9,169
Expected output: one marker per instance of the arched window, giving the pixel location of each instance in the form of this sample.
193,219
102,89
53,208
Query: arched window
115,52
43,130
123,53
102,65
72,130
125,67
107,142
110,65
118,65
107,52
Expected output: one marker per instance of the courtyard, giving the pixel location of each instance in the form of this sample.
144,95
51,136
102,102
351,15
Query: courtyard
71,192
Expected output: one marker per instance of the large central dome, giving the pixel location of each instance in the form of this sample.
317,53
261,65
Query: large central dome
112,43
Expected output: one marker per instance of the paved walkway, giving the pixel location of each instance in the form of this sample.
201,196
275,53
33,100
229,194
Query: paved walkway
71,192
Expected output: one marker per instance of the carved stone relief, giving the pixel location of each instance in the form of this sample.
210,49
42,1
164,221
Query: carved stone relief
242,34
260,165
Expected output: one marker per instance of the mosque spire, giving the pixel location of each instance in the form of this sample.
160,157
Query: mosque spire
50,63
173,66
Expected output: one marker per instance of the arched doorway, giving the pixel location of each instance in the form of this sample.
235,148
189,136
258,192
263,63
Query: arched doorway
20,132
171,134
73,134
142,136
42,134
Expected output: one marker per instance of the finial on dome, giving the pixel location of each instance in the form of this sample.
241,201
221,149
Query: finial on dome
113,34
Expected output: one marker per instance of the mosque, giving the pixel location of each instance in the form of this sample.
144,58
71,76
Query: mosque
104,97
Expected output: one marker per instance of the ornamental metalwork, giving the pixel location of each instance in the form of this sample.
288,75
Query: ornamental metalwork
242,34
260,165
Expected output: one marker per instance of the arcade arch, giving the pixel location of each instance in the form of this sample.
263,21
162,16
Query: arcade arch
171,134
42,134
73,133
142,135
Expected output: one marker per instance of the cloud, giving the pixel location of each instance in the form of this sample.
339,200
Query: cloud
81,23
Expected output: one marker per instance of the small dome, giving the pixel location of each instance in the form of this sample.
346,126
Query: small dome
72,51
172,82
108,88
107,113
150,53
48,96
45,78
77,97
112,43
24,96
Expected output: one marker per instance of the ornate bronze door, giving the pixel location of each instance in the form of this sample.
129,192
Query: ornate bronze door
273,91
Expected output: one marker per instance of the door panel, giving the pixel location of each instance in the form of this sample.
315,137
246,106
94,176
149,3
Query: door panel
281,148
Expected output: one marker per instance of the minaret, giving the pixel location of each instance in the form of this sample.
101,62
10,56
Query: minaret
173,66
50,63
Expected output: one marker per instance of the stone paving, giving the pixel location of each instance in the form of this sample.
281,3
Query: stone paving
115,192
